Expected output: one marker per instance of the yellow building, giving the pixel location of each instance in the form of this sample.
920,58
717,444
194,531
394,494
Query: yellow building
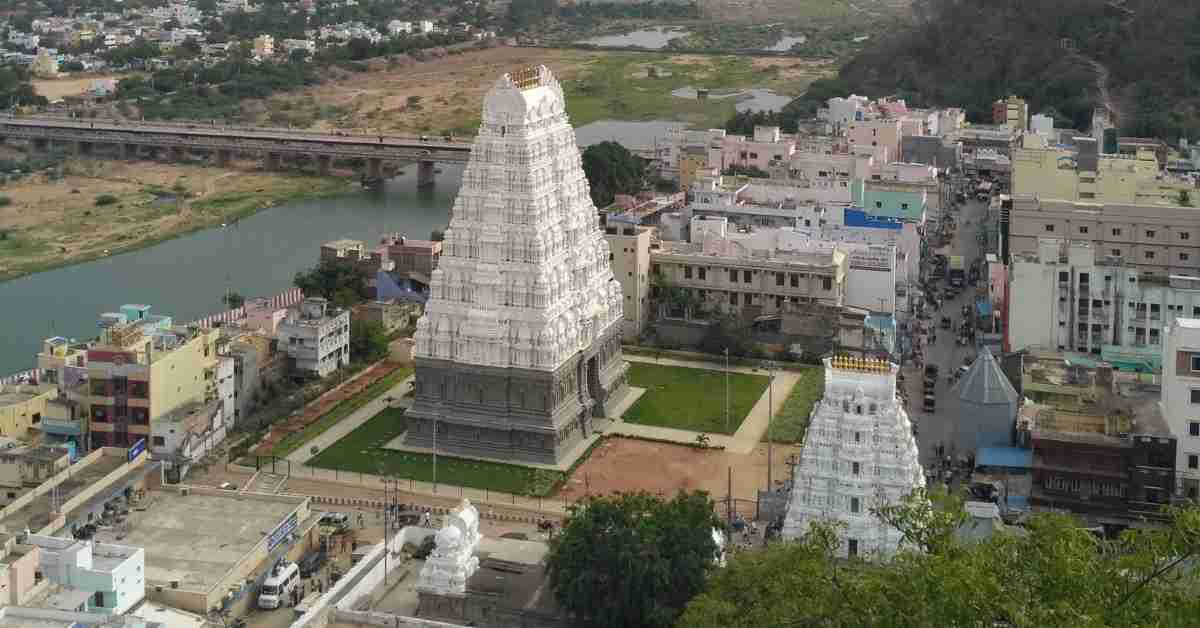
1063,173
690,164
44,65
142,370
22,407
264,46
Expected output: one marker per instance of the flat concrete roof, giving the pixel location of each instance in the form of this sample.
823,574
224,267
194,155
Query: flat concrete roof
12,398
37,513
196,539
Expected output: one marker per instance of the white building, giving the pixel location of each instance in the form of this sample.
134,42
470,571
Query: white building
316,337
859,453
425,26
291,45
1085,302
114,575
399,27
1181,401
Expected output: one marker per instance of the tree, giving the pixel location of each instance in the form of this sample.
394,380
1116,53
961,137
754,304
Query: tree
368,340
1053,572
633,559
342,283
611,169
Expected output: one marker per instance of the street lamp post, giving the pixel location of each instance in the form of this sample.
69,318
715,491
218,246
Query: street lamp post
770,416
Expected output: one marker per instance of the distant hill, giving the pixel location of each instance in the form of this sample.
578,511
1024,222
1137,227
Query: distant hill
1051,52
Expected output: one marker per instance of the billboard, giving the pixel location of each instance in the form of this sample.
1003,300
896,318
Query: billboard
137,449
281,532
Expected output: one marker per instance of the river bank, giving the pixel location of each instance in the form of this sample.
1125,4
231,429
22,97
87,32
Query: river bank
99,208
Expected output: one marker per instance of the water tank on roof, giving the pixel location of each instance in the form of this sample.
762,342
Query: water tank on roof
858,116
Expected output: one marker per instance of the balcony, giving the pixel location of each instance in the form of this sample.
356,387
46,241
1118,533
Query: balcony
62,427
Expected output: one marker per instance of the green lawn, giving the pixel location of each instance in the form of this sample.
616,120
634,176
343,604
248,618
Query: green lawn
362,451
792,421
692,399
293,441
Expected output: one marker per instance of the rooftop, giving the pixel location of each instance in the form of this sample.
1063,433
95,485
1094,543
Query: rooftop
36,514
196,538
41,453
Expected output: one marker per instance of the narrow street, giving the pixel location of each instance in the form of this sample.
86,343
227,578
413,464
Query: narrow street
939,427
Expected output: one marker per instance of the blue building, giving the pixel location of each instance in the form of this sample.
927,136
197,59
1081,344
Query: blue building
988,405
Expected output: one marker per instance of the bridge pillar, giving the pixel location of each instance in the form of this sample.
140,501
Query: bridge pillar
129,151
324,164
274,161
375,168
40,145
425,174
178,153
83,148
152,152
223,157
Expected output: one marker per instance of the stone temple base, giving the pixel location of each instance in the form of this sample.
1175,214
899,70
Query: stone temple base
516,415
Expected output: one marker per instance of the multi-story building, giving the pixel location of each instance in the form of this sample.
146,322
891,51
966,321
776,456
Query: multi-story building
264,47
1082,301
879,138
901,200
45,65
629,255
1012,112
859,453
316,337
25,466
111,577
141,368
22,407
258,365
1181,400
1157,240
181,437
1081,173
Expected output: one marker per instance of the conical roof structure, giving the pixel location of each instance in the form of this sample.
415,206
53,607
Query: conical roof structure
986,384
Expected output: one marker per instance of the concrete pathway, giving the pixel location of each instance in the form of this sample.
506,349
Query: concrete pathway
749,433
303,453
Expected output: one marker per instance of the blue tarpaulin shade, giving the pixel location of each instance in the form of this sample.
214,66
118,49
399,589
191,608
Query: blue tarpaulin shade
984,308
1011,457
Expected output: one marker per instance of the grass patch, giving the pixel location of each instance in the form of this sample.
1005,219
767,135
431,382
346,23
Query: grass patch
295,440
791,423
362,451
692,399
13,245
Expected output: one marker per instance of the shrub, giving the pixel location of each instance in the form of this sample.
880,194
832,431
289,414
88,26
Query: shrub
5,201
105,199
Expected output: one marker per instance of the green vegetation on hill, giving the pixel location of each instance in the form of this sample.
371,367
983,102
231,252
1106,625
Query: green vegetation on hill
971,53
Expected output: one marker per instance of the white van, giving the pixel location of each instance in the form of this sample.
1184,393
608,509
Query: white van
278,586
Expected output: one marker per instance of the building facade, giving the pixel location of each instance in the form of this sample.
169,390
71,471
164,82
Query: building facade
1181,401
859,453
520,343
316,337
113,574
629,252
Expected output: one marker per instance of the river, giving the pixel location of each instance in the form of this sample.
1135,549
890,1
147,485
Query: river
186,277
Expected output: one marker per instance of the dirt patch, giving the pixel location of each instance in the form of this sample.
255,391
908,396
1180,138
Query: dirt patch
53,89
53,221
626,464
401,95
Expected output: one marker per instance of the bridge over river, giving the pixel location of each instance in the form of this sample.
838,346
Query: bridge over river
130,140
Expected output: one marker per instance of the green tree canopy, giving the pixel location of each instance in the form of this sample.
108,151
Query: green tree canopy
611,169
342,283
1052,573
368,341
633,559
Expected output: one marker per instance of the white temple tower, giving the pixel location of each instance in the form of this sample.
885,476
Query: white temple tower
520,344
859,453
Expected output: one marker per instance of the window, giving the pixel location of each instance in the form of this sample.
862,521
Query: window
733,298
828,283
733,275
779,278
1083,229
1149,233
100,415
703,273
1149,254
1064,277
855,468
854,504
158,441
795,280
1185,236
746,276
656,269
1084,277
1087,195
687,272
1183,257
747,298
1049,228
878,204
1116,232
1194,426
852,548
1196,361
1193,461
903,205
858,435
1116,252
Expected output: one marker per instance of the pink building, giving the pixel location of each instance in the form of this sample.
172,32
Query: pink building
767,148
263,316
880,138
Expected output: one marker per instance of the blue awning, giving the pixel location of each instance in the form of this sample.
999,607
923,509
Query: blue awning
984,308
1011,457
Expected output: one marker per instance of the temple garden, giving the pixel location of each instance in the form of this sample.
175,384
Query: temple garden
691,398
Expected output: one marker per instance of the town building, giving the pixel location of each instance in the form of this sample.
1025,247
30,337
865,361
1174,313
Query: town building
45,65
104,577
987,405
1100,305
901,200
1157,240
141,368
520,343
629,246
26,466
859,453
22,407
1181,401
258,365
316,337
182,437
1012,112
879,138
1082,173
264,47
412,264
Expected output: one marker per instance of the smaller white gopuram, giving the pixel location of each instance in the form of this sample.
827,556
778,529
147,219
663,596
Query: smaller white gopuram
859,453
452,561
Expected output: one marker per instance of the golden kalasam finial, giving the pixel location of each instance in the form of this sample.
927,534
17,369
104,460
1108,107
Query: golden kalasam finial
526,78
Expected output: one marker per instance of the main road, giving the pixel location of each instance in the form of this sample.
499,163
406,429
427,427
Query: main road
223,142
